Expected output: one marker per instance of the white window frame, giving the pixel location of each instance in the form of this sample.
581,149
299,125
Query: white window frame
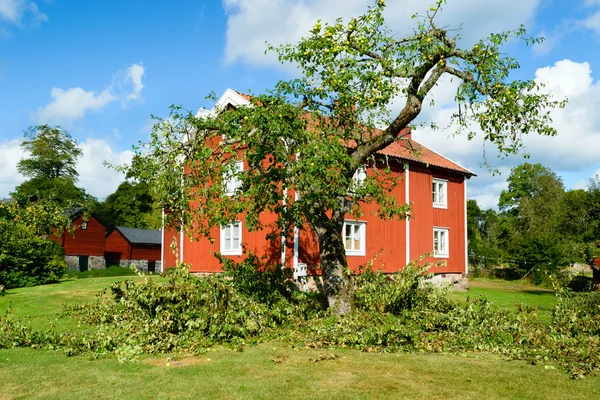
231,181
437,201
441,235
237,251
358,179
362,233
84,226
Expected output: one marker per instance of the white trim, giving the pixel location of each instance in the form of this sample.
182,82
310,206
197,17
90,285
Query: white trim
444,184
162,240
466,235
407,190
283,234
363,237
296,230
234,179
447,232
231,252
181,237
230,97
296,235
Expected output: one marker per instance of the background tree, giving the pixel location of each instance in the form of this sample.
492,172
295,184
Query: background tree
130,205
53,153
351,72
51,167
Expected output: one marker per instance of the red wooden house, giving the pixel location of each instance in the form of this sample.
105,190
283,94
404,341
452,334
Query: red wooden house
84,248
436,187
141,247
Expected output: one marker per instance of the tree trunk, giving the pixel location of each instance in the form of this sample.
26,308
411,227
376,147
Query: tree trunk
336,277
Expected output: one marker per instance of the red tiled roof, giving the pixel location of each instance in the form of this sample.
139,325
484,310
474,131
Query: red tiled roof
244,95
418,153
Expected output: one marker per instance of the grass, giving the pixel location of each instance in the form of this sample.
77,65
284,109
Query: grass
509,294
272,370
112,270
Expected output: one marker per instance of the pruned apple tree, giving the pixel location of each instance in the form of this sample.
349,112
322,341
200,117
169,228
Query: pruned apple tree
311,134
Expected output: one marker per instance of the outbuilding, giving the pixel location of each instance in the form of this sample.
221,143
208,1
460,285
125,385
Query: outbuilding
84,246
125,246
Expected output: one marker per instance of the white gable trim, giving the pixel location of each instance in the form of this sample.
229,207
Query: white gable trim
229,98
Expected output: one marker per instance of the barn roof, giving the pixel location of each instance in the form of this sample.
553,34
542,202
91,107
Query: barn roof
410,150
140,236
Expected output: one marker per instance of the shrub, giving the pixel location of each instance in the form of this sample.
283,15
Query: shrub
26,259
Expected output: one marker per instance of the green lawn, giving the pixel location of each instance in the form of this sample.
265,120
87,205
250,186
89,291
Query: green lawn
271,370
509,294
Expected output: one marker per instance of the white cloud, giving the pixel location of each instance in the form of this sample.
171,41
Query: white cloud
135,73
94,177
252,22
10,154
13,11
592,22
574,149
74,103
71,104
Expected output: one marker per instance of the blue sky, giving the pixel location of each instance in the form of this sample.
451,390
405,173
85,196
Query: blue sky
101,68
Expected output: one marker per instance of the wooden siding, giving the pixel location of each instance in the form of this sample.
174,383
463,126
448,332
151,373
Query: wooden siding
89,242
170,258
425,217
385,239
116,247
200,252
150,252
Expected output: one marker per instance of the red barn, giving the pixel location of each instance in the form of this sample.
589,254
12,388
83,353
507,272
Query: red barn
436,187
142,247
85,247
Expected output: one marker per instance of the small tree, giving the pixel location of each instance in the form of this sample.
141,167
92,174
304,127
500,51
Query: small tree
311,134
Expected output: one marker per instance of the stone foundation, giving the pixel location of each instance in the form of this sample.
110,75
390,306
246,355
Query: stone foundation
141,265
457,282
94,262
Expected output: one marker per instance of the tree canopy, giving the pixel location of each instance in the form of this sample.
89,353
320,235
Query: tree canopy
311,134
53,154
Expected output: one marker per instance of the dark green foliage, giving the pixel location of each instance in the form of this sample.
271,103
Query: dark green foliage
26,259
130,205
61,191
540,228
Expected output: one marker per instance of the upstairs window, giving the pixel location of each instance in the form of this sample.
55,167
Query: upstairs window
440,198
354,238
440,242
358,179
231,239
232,179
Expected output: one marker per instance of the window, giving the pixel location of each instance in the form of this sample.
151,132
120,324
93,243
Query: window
232,180
231,239
440,199
354,238
358,179
84,226
440,242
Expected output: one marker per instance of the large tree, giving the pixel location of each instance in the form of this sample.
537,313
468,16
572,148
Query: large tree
51,168
53,153
311,134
